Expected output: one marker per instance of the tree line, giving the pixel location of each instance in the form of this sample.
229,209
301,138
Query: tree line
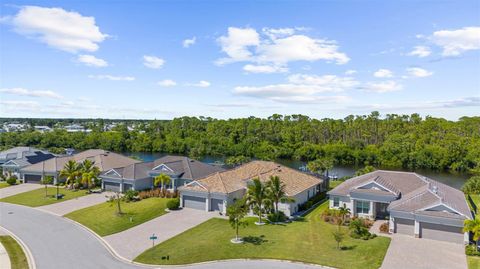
396,141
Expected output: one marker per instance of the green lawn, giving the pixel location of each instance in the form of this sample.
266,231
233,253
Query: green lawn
473,262
4,185
309,241
18,260
104,221
334,183
37,197
476,200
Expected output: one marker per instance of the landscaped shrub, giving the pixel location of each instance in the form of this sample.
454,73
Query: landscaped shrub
277,217
12,180
2,177
384,228
358,229
173,204
131,196
471,251
312,201
330,215
157,193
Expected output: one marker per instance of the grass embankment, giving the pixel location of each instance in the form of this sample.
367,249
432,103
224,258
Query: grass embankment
309,240
104,220
18,260
4,185
37,197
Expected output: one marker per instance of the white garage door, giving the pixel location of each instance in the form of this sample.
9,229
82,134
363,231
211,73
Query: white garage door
194,202
404,226
441,232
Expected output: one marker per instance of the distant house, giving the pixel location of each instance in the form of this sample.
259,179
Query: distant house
42,129
14,159
215,192
104,160
15,127
74,128
140,176
415,205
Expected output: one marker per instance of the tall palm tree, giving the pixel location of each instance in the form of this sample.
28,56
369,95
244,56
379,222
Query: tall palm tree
257,198
161,180
89,172
276,192
473,226
70,172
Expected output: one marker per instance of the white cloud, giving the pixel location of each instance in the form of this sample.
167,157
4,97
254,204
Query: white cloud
301,88
471,101
420,51
200,84
167,83
418,72
350,72
31,93
383,87
153,61
20,104
58,28
383,73
267,69
91,60
110,77
456,42
277,47
189,42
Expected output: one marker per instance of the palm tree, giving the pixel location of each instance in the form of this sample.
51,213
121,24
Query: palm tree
257,198
236,212
473,226
161,180
321,165
276,192
343,212
70,172
89,172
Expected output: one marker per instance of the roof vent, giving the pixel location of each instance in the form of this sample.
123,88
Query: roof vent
435,189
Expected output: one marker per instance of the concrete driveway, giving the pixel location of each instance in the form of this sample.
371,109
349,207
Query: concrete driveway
68,206
414,253
164,227
57,243
16,189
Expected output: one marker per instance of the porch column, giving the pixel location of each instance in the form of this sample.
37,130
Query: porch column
181,201
103,185
54,180
372,210
207,203
391,225
466,238
417,229
173,184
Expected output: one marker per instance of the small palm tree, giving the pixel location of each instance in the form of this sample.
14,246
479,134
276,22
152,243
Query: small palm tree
473,226
343,212
89,173
276,192
70,172
257,198
162,180
236,212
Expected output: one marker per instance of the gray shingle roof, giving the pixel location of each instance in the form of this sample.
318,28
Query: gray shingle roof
187,168
133,171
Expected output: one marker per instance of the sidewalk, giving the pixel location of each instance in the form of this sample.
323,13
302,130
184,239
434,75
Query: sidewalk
4,259
68,206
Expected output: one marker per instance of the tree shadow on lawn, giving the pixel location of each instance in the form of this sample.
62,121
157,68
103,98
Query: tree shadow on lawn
352,247
255,240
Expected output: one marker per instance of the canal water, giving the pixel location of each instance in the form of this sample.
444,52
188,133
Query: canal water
455,180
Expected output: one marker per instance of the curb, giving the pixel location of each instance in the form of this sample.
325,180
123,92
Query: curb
26,250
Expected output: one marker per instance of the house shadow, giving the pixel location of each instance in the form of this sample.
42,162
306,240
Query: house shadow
255,240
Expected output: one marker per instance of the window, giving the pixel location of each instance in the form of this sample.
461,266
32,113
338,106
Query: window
336,201
362,207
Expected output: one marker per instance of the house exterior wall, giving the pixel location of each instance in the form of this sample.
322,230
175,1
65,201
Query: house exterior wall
291,208
343,200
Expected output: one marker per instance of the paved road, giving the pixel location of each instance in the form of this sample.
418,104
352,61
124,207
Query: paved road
16,189
57,243
165,227
68,206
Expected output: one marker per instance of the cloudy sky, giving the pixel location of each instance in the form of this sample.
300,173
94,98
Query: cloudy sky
164,59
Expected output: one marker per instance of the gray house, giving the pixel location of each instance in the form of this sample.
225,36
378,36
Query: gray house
415,205
14,159
140,176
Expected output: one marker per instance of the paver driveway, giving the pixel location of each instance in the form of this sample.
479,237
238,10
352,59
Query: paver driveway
414,253
16,189
164,227
68,206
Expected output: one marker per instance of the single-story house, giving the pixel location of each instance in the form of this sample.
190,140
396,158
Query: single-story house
140,176
104,160
215,192
14,159
414,204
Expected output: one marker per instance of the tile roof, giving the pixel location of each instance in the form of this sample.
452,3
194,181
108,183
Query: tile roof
237,178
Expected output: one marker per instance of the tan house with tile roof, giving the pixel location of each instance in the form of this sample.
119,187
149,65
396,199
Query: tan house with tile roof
414,204
216,191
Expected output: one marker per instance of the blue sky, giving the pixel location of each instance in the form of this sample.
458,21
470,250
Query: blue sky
165,59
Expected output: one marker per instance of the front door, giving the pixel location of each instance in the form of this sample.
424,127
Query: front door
381,210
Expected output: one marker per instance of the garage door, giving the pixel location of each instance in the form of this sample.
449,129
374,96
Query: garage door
404,226
33,178
441,232
216,205
194,202
111,186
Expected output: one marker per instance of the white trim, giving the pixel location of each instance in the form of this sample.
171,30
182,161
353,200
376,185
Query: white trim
114,171
195,182
164,165
376,183
442,204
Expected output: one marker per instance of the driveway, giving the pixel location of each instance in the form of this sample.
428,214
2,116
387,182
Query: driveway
164,227
68,206
16,189
57,243
414,253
